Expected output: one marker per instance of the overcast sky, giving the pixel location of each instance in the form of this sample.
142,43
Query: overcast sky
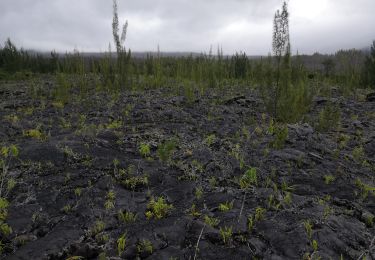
187,25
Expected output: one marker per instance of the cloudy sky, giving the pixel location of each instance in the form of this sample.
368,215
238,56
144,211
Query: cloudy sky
187,25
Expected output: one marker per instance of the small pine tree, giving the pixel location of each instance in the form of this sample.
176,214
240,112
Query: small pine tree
287,102
281,48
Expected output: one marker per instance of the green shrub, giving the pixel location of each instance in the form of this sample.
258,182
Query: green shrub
145,246
158,208
226,206
226,234
127,216
329,118
121,243
358,154
280,137
166,149
249,178
144,149
328,179
211,221
135,182
34,133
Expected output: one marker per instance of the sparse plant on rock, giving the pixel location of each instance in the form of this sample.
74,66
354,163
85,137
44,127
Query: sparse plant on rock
308,228
249,178
158,208
211,221
135,182
226,234
5,229
198,192
358,154
259,213
127,216
98,227
210,139
34,133
121,243
328,179
144,150
145,245
75,258
280,137
166,149
110,200
194,212
365,189
226,206
8,153
114,124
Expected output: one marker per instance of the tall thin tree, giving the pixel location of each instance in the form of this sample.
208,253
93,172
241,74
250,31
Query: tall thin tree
281,47
123,57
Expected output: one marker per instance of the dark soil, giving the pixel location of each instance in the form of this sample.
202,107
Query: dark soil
91,146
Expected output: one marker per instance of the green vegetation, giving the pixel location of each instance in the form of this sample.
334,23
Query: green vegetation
308,228
259,213
314,245
135,182
78,192
211,221
194,212
285,84
110,200
97,228
34,133
144,150
329,118
128,177
7,155
210,139
145,246
368,76
226,234
67,208
328,179
158,208
114,124
254,218
121,243
249,178
365,189
75,258
358,154
280,136
5,229
166,149
369,220
198,192
127,216
226,206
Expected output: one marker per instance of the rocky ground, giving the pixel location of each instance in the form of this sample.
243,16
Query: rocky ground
152,175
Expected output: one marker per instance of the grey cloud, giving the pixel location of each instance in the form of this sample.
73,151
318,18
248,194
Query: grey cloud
186,25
